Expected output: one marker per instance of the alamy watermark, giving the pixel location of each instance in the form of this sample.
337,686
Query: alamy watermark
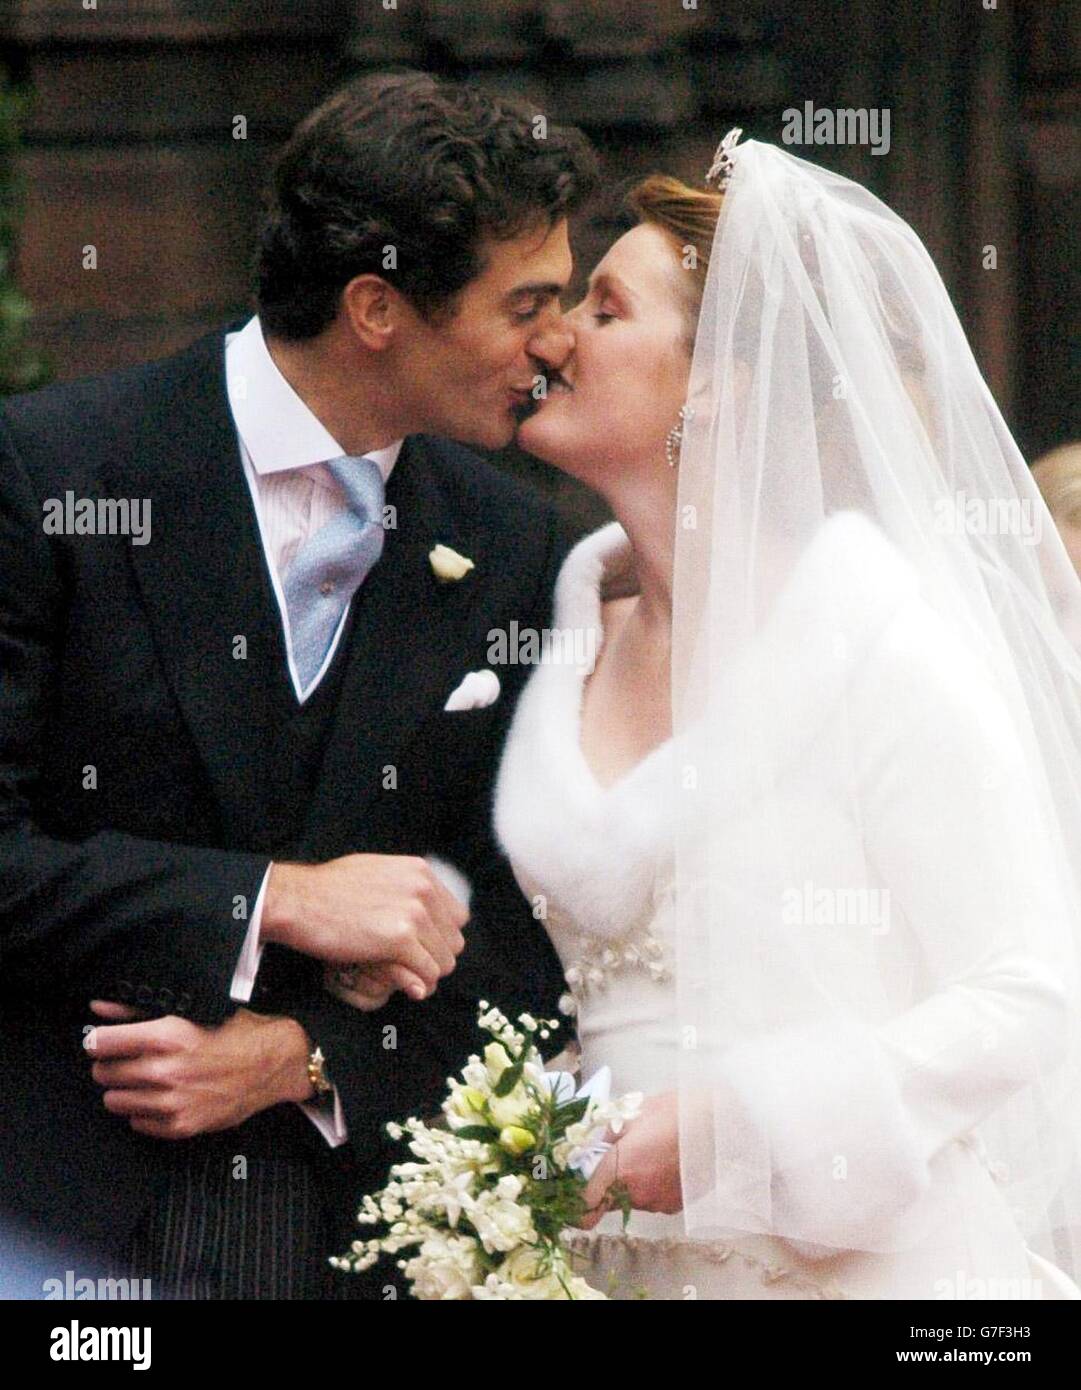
74,1288
97,516
550,646
812,906
963,1286
989,516
859,125
77,1343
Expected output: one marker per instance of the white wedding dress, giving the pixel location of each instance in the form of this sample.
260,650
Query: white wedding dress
599,863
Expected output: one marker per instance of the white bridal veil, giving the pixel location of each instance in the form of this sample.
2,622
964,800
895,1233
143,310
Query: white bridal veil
877,710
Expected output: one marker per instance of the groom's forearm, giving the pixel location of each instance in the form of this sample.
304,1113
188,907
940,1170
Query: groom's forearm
149,923
285,1052
297,1047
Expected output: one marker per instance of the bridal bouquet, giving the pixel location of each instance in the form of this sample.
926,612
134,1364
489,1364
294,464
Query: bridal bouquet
484,1205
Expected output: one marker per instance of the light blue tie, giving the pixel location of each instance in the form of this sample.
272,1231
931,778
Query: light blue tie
331,565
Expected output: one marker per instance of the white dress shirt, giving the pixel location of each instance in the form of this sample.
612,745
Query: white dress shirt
283,447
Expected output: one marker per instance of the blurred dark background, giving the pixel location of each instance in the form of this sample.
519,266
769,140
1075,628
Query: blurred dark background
148,124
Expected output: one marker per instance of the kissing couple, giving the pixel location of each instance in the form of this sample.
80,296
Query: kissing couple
796,855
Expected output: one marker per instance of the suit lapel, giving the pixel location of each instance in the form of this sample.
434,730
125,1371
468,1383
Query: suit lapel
405,650
204,580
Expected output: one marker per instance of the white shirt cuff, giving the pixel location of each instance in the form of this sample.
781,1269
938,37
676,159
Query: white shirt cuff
330,1124
251,953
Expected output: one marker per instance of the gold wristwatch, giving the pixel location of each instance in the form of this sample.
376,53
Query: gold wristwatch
317,1075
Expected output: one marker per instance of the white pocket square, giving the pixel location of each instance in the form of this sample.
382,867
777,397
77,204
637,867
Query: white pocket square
478,690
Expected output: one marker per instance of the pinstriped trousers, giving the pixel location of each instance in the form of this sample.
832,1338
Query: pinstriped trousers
212,1235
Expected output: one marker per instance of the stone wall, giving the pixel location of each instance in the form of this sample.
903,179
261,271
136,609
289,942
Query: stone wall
153,121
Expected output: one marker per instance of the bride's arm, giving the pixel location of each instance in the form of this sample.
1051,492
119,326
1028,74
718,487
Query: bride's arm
852,1115
956,829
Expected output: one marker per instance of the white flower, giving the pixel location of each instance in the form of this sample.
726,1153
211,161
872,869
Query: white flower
621,1109
455,1197
465,1106
509,1187
492,1290
475,1074
445,1267
535,1072
500,1223
496,1061
530,1277
522,1271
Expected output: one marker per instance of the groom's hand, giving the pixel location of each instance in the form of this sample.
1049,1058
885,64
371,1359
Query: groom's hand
377,910
173,1079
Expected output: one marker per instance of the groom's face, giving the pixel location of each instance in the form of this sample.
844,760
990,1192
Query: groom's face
471,377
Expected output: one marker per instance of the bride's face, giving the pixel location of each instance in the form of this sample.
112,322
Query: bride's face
618,392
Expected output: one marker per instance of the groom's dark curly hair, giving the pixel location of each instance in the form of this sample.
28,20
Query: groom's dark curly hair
402,162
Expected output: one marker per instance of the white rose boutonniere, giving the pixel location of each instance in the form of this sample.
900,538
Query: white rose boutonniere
447,565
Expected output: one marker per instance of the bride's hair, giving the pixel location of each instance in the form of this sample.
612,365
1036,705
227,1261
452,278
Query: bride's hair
688,217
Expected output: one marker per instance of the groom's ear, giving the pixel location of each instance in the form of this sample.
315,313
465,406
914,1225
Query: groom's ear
372,308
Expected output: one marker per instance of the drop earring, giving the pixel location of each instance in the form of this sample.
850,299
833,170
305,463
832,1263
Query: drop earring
675,435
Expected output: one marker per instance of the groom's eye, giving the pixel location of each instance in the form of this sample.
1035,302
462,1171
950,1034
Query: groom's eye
525,306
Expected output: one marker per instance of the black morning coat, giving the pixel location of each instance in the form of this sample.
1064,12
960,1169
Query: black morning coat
126,882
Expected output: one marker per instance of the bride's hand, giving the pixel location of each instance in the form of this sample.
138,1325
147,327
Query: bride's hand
644,1159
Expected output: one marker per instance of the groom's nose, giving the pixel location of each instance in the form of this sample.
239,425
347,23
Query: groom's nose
554,343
